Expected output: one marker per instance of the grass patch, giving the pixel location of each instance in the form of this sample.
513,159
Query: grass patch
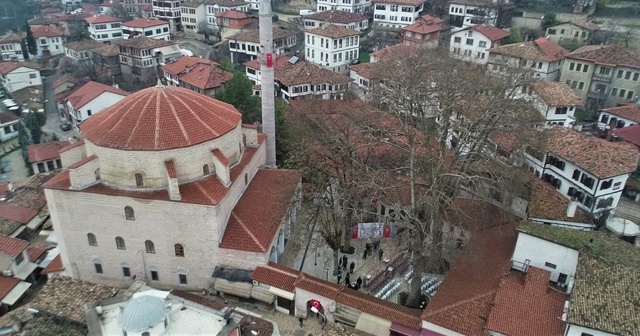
364,57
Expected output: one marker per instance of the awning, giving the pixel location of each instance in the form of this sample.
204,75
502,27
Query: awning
281,293
262,294
241,289
26,271
404,330
373,324
16,293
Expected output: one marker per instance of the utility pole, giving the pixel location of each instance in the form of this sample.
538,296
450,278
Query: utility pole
267,60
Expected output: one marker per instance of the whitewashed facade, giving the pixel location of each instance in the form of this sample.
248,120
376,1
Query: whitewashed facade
396,14
351,6
19,77
332,52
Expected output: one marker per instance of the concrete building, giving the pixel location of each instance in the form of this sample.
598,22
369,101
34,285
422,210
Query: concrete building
45,157
355,21
581,31
90,99
603,75
168,11
555,101
349,6
10,47
196,74
15,76
245,46
396,13
155,29
104,28
141,57
49,40
192,14
472,44
425,32
467,13
332,47
303,79
539,59
206,178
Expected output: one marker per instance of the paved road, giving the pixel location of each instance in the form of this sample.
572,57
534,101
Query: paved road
53,116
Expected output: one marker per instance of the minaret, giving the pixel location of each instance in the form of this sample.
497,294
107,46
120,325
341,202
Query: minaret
267,60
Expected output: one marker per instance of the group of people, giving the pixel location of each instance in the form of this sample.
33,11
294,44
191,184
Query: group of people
343,262
369,247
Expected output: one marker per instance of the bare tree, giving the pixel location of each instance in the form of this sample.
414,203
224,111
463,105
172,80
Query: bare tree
206,29
126,13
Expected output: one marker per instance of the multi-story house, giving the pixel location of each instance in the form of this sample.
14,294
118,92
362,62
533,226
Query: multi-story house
15,76
104,28
332,47
156,29
472,44
355,21
620,116
192,14
554,100
466,13
233,20
581,31
246,45
349,6
90,99
603,75
252,68
49,40
81,50
302,79
539,59
396,13
196,74
107,61
140,57
587,169
425,32
213,7
169,11
10,47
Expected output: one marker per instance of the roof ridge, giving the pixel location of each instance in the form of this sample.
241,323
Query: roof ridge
475,298
185,133
249,232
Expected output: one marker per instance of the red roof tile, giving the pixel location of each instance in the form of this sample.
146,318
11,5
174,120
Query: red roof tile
337,16
477,215
462,301
187,118
426,24
71,146
332,31
7,284
629,134
206,77
185,63
90,91
45,151
17,213
610,55
36,252
7,117
628,111
490,32
256,217
220,156
46,31
394,52
102,19
54,266
556,93
526,309
12,247
83,162
394,312
234,15
546,202
277,276
144,23
67,78
322,287
7,67
171,169
280,62
541,49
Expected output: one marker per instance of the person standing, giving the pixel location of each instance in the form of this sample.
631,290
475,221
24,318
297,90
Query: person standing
347,280
364,255
380,253
301,321
352,267
359,282
339,276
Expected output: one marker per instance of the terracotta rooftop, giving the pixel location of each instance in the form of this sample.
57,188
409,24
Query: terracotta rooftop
226,3
332,31
11,38
65,297
277,276
66,78
366,70
91,91
39,21
490,32
584,24
546,202
462,302
280,62
599,157
143,42
36,252
206,77
612,55
308,73
255,219
12,247
17,213
630,134
253,35
337,16
541,49
45,151
102,19
46,31
526,308
185,63
7,67
54,266
108,50
82,45
187,118
477,215
7,284
414,3
234,15
628,111
556,93
394,52
425,24
7,117
192,4
71,146
144,23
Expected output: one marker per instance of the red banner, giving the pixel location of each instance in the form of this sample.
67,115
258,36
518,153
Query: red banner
270,60
354,232
386,232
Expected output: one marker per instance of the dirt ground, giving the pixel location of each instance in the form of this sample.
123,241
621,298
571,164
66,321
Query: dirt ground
293,6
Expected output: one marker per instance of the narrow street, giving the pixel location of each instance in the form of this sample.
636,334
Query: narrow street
52,125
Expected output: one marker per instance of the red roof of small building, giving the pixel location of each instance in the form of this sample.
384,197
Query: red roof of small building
220,156
255,219
45,151
280,62
71,146
206,77
426,24
628,111
7,117
90,91
396,51
144,23
629,134
161,117
17,213
83,161
186,62
7,284
46,31
233,15
12,247
541,49
36,252
7,67
490,32
277,276
102,19
54,266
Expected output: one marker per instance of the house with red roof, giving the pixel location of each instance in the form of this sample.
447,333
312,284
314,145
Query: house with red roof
349,20
396,13
8,125
426,31
11,47
104,28
50,40
252,68
555,101
472,44
45,157
151,28
539,59
233,19
18,261
200,75
618,117
90,99
16,76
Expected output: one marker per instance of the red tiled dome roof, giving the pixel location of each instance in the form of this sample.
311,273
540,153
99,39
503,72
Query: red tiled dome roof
161,117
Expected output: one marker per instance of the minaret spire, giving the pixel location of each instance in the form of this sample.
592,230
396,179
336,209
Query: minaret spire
267,60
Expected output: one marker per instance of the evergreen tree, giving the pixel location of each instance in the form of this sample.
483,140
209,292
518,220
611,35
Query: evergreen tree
238,91
31,41
34,127
23,46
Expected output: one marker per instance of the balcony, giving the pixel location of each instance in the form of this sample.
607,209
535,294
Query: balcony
602,78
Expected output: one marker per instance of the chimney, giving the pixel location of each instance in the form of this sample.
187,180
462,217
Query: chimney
10,186
266,59
612,125
571,208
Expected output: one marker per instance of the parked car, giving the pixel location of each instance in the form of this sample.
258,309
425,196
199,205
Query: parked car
65,127
208,42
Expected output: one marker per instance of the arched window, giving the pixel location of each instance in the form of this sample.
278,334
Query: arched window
205,170
139,182
120,243
150,247
97,172
129,214
179,250
92,239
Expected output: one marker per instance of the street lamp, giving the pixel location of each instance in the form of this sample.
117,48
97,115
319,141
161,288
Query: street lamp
324,318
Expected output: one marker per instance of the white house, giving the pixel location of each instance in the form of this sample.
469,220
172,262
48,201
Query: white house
168,11
587,169
466,13
332,47
81,50
252,68
620,116
15,266
214,7
8,125
15,76
104,28
45,157
539,59
302,79
556,101
246,45
396,13
155,29
192,14
355,21
49,40
581,31
90,99
364,77
472,44
349,6
10,47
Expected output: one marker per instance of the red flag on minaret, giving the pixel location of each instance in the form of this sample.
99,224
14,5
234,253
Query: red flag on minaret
270,60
